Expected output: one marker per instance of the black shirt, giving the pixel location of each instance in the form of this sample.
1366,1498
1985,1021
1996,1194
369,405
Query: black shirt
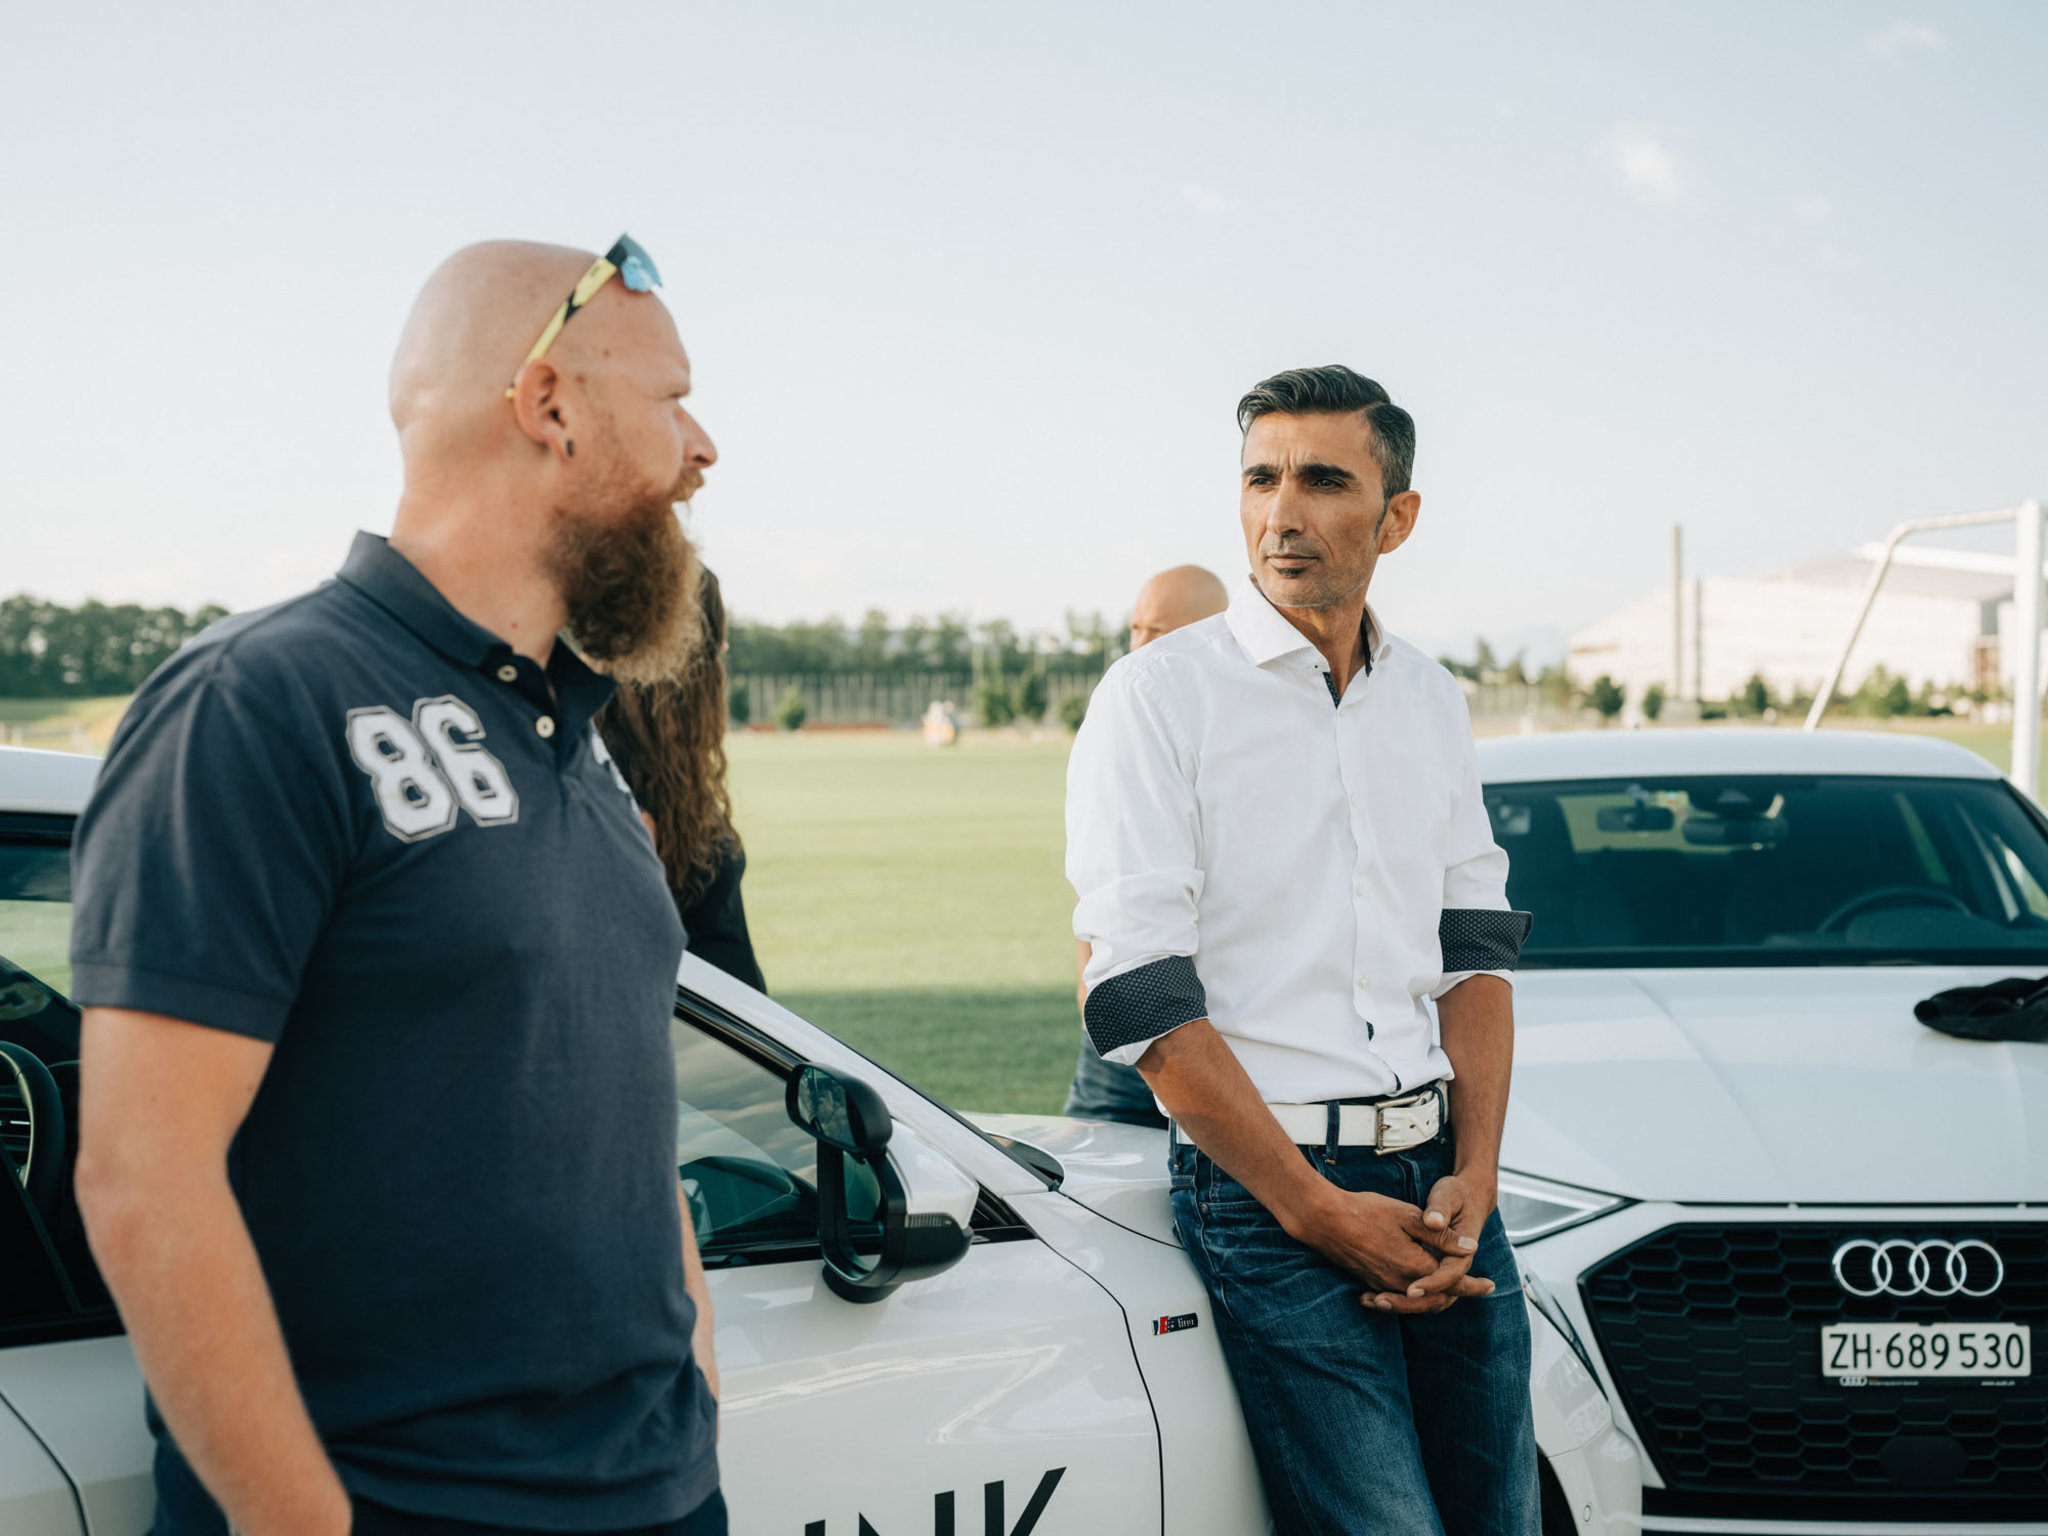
358,826
715,919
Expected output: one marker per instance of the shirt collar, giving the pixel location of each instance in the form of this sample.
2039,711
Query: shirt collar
402,590
1266,635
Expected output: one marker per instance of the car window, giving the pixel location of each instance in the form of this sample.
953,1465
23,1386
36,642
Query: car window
1774,870
36,1015
35,942
750,1174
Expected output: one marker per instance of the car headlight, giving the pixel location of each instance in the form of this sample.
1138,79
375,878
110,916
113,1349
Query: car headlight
1533,1208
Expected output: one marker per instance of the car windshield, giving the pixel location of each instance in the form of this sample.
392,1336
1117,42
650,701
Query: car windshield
1774,870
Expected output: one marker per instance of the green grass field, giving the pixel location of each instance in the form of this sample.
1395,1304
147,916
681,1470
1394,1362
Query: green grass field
911,900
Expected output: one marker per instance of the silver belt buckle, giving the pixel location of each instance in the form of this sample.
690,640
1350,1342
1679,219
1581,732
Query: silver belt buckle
1415,1106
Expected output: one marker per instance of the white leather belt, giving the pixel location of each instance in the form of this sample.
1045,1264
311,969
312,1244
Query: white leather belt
1388,1126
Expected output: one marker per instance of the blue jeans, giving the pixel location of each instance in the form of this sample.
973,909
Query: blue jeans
1108,1090
1364,1421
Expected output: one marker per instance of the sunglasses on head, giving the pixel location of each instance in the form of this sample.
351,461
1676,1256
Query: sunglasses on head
633,266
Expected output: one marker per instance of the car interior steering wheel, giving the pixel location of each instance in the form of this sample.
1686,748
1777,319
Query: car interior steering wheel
1903,895
41,1169
735,1193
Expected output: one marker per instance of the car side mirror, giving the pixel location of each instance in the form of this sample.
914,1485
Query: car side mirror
852,1126
840,1112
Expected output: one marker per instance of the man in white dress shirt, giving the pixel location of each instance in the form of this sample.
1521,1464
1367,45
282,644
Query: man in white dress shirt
1276,832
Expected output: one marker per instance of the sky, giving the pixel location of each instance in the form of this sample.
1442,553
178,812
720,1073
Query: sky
971,291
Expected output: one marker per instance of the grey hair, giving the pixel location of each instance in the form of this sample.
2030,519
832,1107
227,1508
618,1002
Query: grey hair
1334,390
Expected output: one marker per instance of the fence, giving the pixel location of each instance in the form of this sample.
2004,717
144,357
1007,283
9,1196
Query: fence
1506,699
880,699
900,699
51,736
1507,707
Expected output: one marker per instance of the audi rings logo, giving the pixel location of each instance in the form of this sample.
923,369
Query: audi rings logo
1900,1267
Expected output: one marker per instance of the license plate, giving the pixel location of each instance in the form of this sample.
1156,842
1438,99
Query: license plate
2000,1350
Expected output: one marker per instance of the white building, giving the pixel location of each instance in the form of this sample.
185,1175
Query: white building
1939,619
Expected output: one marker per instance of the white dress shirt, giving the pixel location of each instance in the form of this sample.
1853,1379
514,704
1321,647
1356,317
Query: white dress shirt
1305,872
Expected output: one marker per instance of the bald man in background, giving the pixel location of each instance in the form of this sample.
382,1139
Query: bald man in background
1108,1090
377,962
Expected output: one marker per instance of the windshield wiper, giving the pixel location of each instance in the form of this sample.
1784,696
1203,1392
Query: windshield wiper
1034,1159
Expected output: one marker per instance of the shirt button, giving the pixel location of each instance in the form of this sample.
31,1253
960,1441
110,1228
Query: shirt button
544,727
508,673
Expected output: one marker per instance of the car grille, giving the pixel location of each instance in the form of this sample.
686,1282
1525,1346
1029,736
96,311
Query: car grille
1712,1335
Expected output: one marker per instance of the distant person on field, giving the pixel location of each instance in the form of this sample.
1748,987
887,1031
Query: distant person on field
1108,1090
377,1141
668,739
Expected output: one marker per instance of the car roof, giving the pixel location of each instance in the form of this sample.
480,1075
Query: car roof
1715,749
45,782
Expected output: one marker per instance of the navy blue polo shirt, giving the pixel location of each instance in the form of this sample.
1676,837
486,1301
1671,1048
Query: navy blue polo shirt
357,826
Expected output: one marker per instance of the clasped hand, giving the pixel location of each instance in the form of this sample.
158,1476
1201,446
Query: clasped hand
1411,1261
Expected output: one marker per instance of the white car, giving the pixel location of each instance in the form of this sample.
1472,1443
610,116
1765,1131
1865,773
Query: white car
1803,1236
1028,1351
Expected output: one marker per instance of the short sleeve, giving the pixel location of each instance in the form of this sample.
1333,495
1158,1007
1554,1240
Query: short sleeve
209,856
1134,858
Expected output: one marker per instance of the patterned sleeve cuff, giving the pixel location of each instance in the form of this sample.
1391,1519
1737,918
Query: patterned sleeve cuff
1480,939
1138,1005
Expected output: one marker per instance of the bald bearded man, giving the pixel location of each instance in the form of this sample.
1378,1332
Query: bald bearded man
378,962
1109,1090
1173,600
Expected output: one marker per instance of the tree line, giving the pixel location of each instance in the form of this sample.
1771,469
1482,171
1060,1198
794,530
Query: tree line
50,651
1883,695
1487,666
876,648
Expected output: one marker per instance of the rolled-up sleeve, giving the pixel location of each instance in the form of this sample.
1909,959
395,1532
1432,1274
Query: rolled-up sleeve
1134,858
1478,933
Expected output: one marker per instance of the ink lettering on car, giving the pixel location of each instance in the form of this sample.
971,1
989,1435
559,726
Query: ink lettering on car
945,1513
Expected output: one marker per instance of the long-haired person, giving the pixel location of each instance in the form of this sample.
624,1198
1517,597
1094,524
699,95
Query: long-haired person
668,739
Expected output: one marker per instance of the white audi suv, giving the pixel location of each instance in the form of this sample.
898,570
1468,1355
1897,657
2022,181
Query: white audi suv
1803,1236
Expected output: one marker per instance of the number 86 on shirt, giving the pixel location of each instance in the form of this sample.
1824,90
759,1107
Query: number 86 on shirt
422,772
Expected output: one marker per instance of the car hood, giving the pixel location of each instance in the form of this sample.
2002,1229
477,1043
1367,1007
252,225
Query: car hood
1117,1171
1808,1084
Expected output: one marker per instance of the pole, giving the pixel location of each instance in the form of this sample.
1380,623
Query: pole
2026,671
1677,611
1699,638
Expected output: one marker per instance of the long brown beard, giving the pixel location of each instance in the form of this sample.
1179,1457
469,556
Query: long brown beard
631,590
